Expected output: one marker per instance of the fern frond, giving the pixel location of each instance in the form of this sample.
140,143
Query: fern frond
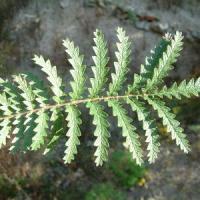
5,124
4,131
101,132
185,89
73,117
37,119
128,130
53,77
29,133
173,126
42,118
41,96
100,69
58,92
165,62
29,102
56,132
40,130
12,92
118,78
149,126
78,71
18,132
121,65
147,70
26,92
100,72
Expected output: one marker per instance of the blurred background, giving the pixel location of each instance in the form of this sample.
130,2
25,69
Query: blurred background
38,26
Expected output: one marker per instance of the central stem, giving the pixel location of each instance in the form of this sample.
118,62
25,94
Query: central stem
73,102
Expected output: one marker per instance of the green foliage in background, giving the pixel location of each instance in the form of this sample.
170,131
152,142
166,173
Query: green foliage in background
36,114
127,172
105,191
7,189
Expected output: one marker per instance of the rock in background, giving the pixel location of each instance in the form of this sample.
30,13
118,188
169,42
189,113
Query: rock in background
39,26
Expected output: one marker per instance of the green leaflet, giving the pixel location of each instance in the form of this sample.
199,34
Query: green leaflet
192,88
73,133
4,131
12,93
42,118
26,92
149,127
100,72
78,71
15,99
40,130
29,102
147,70
101,132
100,69
5,126
29,133
57,129
121,66
165,62
173,126
18,132
33,91
118,78
77,85
128,130
41,96
52,77
36,115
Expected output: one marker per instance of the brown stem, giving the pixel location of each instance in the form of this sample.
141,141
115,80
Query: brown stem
73,102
